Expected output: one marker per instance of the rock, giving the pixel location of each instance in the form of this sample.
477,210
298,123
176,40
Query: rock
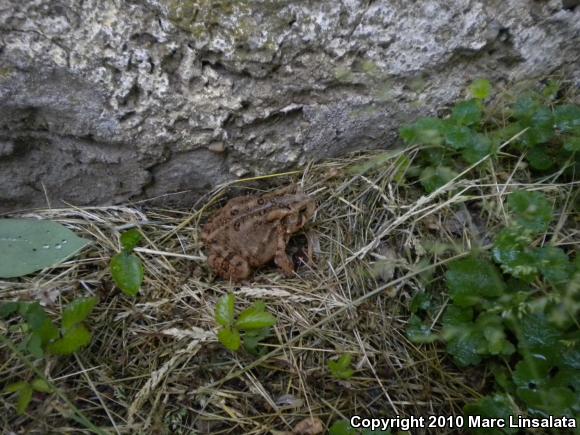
104,102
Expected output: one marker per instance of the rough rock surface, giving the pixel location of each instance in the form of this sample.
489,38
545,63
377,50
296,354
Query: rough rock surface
103,101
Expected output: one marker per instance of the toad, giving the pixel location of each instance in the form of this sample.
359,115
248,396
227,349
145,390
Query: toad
250,231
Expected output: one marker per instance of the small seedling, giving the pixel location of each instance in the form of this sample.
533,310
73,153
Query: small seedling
341,368
251,326
126,268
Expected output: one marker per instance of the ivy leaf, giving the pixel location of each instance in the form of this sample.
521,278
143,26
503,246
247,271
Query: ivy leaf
341,369
467,112
28,245
426,131
419,332
130,239
567,118
127,271
532,210
472,279
224,310
554,264
77,311
24,398
511,251
230,338
497,406
480,89
255,318
73,339
433,178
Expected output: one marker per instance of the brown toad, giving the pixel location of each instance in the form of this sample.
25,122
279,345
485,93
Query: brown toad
250,231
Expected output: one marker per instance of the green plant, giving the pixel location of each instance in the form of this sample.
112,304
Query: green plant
43,337
28,245
546,133
126,268
341,368
343,427
251,326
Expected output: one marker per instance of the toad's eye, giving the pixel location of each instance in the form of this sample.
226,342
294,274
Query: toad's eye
237,226
261,201
234,212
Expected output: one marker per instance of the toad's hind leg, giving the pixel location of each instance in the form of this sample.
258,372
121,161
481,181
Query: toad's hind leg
231,266
282,260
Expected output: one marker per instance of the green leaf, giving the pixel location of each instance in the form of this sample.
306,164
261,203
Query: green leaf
34,345
28,245
39,323
420,302
41,386
525,107
130,239
458,136
13,388
467,112
24,398
8,308
224,310
554,264
426,131
480,89
433,178
567,118
464,342
478,147
498,406
341,368
572,143
419,332
252,339
531,209
511,251
77,311
341,427
472,279
491,325
537,336
539,159
74,339
255,318
540,126
127,271
230,338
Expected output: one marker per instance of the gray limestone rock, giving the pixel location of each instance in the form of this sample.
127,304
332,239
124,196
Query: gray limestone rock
105,101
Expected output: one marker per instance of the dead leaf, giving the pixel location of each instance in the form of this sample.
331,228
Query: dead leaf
309,426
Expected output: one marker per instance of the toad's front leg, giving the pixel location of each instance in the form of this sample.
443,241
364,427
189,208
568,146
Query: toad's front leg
230,266
282,260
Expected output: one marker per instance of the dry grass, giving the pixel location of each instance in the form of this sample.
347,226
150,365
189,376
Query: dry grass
155,366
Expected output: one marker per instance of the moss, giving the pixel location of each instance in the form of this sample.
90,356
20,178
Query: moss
5,72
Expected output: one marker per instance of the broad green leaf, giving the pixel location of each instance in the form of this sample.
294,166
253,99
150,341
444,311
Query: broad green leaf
29,245
433,178
491,325
540,126
8,308
24,398
464,342
341,368
419,332
467,112
470,280
531,209
458,136
130,239
341,427
525,107
511,251
536,335
77,311
480,89
74,339
567,118
479,146
252,339
426,131
34,345
39,323
41,386
539,159
224,310
496,406
572,143
127,271
255,319
230,338
554,264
